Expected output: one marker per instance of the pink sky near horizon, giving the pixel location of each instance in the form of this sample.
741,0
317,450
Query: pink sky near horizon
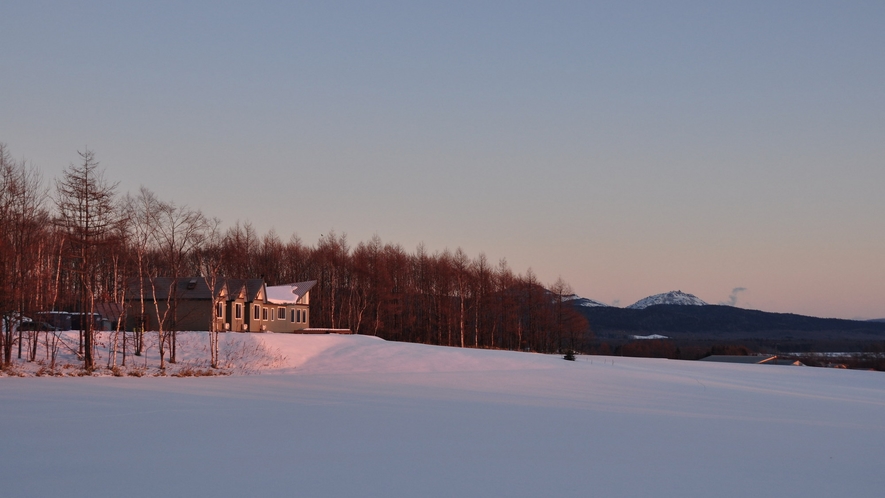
629,149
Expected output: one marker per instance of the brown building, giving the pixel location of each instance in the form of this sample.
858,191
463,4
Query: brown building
281,308
239,305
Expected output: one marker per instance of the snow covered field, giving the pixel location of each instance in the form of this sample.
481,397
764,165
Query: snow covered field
357,416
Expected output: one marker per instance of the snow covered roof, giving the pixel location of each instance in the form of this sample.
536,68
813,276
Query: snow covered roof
288,293
197,288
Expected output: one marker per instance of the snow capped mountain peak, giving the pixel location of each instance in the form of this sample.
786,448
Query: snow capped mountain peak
672,297
583,301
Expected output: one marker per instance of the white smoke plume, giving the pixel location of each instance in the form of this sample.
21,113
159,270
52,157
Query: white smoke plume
733,298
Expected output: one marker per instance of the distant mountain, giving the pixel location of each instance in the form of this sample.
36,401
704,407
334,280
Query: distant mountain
715,324
673,297
577,300
877,320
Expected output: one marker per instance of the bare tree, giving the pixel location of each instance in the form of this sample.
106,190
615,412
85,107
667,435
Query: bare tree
362,291
122,264
23,220
179,232
141,215
210,259
331,255
240,248
483,284
9,321
270,258
87,214
461,266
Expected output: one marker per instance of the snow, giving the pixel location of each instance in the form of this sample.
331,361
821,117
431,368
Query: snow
672,297
649,337
288,293
583,301
358,416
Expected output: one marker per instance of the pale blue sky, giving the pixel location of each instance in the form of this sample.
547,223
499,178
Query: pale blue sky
630,147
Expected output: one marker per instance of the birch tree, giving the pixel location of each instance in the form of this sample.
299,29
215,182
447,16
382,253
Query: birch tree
180,231
23,220
210,258
141,215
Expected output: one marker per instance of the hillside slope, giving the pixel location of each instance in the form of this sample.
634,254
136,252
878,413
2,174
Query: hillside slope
723,323
357,416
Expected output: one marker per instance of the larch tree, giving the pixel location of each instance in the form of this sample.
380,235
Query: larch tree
86,213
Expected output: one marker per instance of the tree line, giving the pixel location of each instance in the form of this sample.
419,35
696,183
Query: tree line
77,242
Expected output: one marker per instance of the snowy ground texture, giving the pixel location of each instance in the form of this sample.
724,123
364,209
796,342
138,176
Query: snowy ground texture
357,416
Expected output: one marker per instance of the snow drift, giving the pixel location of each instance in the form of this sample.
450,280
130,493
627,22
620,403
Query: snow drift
358,416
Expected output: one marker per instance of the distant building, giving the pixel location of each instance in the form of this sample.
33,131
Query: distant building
752,359
73,320
238,305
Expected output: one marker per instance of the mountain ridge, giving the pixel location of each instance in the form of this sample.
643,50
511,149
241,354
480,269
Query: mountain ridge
676,297
719,324
577,300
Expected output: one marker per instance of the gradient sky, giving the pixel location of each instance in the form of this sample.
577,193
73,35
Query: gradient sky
630,147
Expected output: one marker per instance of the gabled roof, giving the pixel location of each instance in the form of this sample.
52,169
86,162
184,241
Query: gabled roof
185,288
109,311
231,288
289,293
235,288
195,288
252,287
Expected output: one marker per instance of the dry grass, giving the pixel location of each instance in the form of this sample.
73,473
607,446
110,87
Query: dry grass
189,371
238,355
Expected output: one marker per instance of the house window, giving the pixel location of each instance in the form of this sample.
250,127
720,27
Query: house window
264,314
304,316
238,311
219,310
299,316
281,313
256,312
292,316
